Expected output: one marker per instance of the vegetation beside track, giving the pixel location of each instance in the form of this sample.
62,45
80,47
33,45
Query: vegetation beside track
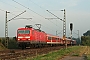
85,39
72,51
56,54
88,57
2,47
88,53
12,43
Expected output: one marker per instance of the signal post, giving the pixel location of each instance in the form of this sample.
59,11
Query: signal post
71,27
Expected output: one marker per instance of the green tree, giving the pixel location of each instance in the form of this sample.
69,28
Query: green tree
85,40
87,33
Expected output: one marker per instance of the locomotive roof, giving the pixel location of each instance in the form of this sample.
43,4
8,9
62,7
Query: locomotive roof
39,30
52,35
23,28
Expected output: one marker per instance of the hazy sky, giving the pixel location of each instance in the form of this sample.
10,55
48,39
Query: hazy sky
77,12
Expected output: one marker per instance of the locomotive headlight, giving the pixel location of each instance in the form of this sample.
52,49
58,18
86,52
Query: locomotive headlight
18,39
28,39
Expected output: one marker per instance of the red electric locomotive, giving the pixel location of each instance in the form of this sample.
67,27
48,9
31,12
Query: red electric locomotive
29,36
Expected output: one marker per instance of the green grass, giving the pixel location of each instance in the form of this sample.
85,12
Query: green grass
54,55
88,57
76,54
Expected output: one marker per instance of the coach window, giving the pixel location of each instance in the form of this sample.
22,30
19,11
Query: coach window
49,38
53,38
57,38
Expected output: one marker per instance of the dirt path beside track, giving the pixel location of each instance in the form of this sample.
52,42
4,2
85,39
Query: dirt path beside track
72,58
80,54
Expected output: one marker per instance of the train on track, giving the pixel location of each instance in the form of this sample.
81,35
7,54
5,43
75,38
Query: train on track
30,37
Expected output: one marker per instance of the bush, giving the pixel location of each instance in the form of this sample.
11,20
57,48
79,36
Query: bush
85,40
12,44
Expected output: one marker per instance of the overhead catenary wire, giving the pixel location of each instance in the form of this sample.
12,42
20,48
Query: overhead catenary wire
43,9
16,16
54,15
5,11
27,8
28,19
9,4
30,10
40,7
37,5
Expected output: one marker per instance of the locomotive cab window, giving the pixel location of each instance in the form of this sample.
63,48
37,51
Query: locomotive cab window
27,31
20,31
23,31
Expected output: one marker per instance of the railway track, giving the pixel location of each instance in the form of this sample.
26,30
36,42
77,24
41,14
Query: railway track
17,54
